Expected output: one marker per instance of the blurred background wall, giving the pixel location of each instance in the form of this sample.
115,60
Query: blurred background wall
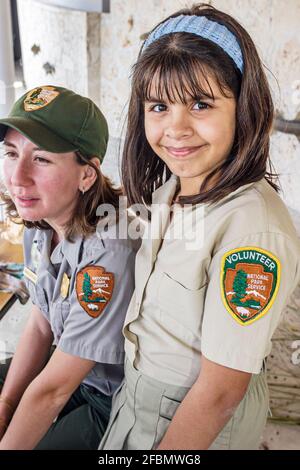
92,52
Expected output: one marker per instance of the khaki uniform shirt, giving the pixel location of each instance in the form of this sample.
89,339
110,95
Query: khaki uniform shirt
220,294
83,289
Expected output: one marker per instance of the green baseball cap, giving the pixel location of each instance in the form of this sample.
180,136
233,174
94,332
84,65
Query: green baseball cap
58,120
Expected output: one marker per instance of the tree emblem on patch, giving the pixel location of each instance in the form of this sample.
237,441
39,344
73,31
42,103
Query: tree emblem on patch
94,288
250,280
39,98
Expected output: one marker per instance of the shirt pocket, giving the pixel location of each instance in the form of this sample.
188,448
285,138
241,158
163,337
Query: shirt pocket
40,299
181,304
59,312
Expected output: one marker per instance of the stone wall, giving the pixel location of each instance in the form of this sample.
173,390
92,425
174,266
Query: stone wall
274,27
93,54
61,47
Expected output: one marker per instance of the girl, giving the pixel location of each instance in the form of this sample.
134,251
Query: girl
79,281
206,304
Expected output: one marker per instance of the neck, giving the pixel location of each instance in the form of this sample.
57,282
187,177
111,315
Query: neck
189,186
58,232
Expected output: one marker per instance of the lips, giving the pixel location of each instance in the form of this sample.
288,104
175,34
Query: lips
26,201
26,198
182,151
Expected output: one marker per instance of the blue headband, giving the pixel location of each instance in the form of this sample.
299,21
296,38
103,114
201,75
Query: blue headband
205,28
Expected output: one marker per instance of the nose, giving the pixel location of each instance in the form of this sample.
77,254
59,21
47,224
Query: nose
178,126
21,173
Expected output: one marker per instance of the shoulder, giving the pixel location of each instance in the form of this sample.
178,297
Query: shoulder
253,209
112,239
113,252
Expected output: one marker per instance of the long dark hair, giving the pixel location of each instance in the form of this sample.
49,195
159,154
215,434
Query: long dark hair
84,219
181,61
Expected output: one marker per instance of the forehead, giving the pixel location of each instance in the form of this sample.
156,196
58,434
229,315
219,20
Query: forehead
183,85
13,136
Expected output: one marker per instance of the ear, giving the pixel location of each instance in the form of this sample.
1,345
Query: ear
89,175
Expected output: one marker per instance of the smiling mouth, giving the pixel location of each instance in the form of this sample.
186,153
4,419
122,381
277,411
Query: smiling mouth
27,198
26,201
182,151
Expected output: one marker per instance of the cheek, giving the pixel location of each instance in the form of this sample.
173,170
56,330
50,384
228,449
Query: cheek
62,182
153,131
220,131
7,173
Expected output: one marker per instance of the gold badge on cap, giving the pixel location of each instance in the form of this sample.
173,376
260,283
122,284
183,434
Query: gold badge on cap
39,98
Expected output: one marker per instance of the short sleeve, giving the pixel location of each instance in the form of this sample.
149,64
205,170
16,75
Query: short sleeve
98,303
250,281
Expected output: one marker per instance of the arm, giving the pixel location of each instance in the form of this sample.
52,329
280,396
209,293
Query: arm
31,355
44,399
207,407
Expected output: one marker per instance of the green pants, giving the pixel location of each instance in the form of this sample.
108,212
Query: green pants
81,423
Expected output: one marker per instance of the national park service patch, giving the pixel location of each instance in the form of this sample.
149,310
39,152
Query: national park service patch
94,288
39,98
250,280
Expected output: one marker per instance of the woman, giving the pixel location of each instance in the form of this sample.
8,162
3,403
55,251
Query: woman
80,282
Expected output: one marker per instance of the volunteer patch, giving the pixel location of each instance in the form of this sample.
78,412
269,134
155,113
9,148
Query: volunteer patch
250,280
39,98
94,288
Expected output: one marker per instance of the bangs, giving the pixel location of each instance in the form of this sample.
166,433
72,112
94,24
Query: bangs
176,78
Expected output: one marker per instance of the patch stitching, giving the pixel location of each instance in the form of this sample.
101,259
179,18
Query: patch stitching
273,292
90,282
39,98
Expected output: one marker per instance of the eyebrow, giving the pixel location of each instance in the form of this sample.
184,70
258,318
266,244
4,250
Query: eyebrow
10,144
153,99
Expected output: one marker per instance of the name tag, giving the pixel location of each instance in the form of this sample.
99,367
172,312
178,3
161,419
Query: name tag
30,275
64,289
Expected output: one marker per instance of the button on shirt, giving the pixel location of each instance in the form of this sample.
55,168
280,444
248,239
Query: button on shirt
75,332
180,309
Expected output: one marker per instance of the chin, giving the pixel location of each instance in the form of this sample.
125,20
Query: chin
29,217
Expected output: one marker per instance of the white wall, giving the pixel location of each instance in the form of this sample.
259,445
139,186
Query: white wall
97,60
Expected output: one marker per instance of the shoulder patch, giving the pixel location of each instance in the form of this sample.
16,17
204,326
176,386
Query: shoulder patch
250,280
39,98
94,288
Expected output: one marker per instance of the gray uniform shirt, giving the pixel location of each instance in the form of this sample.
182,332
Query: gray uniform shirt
77,326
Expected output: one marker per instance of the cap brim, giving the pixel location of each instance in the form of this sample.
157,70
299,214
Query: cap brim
36,133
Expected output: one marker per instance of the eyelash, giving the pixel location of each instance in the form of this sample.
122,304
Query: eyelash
12,156
206,106
9,154
41,159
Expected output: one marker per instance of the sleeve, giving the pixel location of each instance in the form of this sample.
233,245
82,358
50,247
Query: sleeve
98,305
250,281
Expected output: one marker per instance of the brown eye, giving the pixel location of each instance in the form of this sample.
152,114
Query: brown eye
159,108
10,155
201,105
41,160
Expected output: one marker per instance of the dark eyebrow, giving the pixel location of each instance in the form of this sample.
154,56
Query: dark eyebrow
152,99
10,144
